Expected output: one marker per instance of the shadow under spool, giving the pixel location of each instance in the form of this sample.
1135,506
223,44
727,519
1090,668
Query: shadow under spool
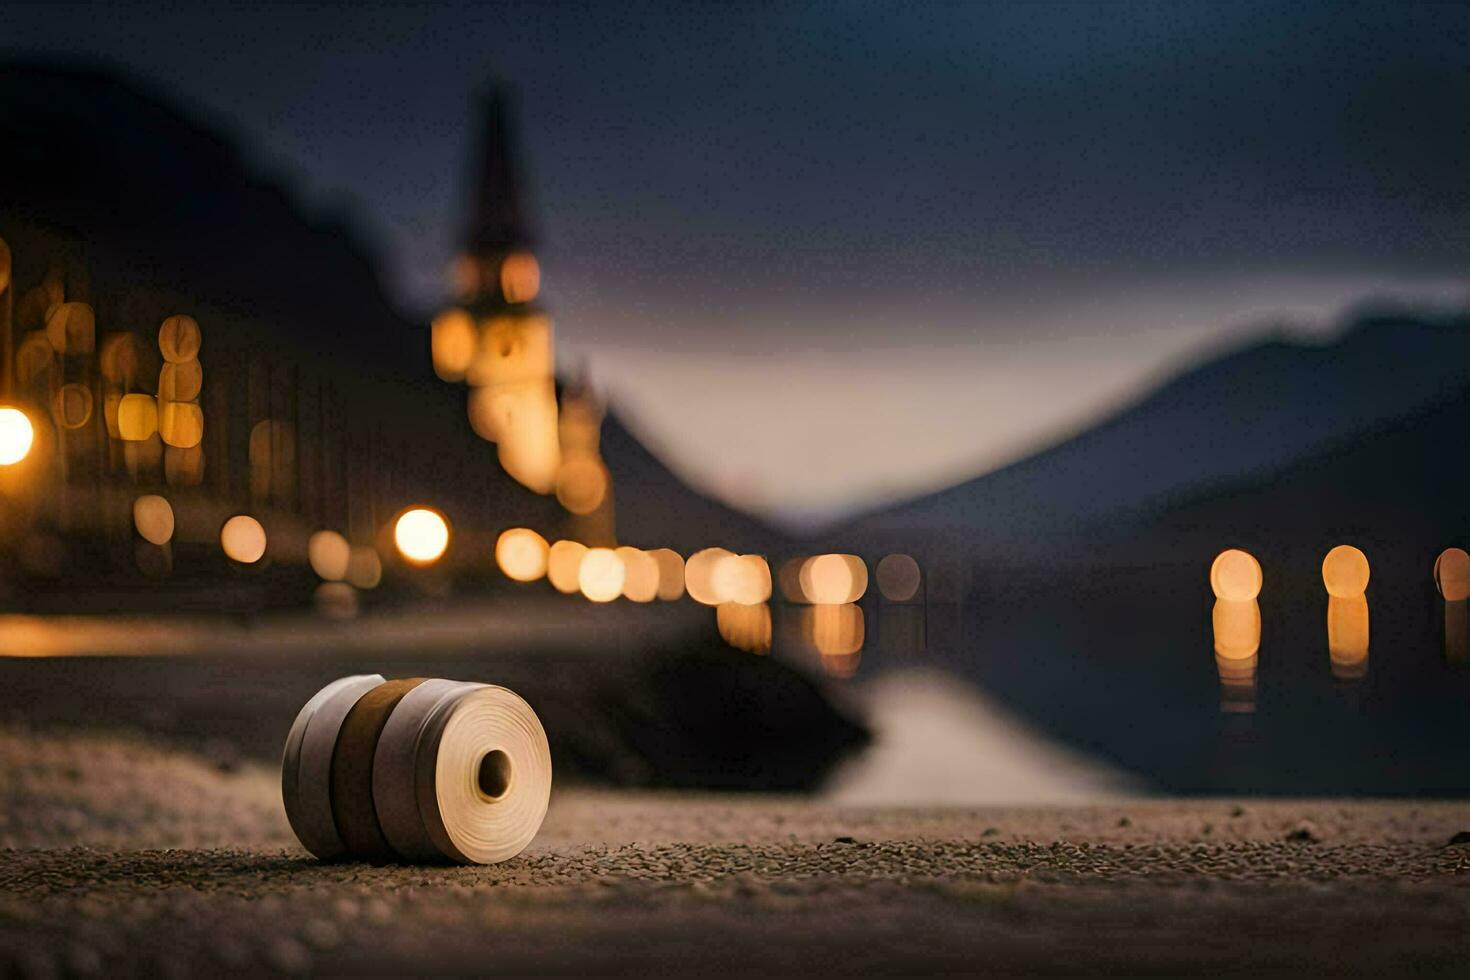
352,769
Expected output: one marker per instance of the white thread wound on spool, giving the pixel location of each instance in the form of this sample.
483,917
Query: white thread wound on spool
317,829
466,820
291,756
395,769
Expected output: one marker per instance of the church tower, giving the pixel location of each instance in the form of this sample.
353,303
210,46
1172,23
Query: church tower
498,340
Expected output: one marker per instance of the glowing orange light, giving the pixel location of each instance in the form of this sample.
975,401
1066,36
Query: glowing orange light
640,579
699,575
1345,572
154,519
179,339
422,535
137,417
16,435
364,567
1452,575
580,423
1235,575
743,579
898,578
329,555
1237,625
181,382
521,554
452,342
833,580
745,627
181,424
520,277
489,411
835,630
243,539
670,573
562,564
601,575
1347,635
527,435
1456,631
581,483
512,350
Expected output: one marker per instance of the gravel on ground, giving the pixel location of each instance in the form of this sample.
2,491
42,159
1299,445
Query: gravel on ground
126,857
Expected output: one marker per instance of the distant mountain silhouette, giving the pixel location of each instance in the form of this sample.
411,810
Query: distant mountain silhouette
1227,422
1089,609
173,205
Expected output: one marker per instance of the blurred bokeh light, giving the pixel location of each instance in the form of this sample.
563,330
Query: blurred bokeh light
521,554
833,580
179,339
1235,575
364,567
329,555
743,579
1347,635
1237,625
1452,574
699,575
670,573
745,627
16,435
243,539
421,535
153,517
640,574
601,575
563,563
1345,572
452,342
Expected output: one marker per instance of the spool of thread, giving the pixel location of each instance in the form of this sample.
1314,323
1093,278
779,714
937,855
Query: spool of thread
305,785
396,769
352,769
416,769
484,775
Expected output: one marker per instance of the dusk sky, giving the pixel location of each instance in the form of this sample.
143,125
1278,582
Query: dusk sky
825,255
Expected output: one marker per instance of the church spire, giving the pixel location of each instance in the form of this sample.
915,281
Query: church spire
497,222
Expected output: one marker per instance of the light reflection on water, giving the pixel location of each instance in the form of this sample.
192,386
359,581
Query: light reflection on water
1454,631
1347,636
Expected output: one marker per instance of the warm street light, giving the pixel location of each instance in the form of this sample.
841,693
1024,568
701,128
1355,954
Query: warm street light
421,535
16,435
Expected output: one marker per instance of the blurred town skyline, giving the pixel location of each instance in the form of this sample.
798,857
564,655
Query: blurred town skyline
975,229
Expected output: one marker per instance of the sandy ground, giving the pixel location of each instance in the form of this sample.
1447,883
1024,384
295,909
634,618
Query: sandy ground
128,857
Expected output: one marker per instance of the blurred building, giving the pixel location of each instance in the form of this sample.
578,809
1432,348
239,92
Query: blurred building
316,404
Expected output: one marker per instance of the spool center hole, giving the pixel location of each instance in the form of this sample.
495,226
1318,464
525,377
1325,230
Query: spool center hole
494,775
